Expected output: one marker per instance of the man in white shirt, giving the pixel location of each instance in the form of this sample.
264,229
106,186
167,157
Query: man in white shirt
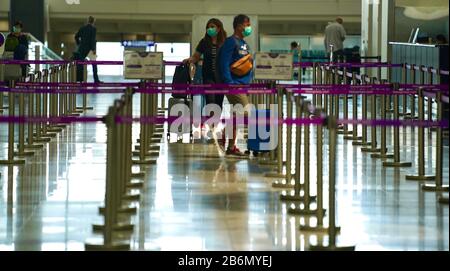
335,35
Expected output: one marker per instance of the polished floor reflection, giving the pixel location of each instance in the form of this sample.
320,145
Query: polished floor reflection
196,199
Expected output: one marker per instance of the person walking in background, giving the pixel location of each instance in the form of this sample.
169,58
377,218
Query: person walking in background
17,42
86,41
335,36
234,53
296,58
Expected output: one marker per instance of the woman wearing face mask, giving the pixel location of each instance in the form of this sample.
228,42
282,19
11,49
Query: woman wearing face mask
208,47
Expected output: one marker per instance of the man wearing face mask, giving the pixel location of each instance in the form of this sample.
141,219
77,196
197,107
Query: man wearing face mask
17,42
235,67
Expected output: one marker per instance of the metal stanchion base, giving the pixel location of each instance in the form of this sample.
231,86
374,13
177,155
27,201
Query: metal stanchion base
138,175
317,228
154,147
24,153
54,129
410,118
361,143
268,163
144,162
382,156
275,175
116,227
123,210
304,211
34,146
343,132
135,184
131,197
370,150
397,164
114,246
42,139
331,248
443,200
435,188
149,153
46,135
12,162
296,198
420,177
283,185
85,108
155,140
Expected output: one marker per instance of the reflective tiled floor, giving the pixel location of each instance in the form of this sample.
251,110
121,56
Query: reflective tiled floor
195,199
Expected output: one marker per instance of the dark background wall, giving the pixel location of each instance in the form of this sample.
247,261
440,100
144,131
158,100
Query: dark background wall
31,13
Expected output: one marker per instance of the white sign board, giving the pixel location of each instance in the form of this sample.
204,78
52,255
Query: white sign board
142,65
273,66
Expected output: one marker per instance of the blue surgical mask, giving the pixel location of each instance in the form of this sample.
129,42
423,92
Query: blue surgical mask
17,29
247,31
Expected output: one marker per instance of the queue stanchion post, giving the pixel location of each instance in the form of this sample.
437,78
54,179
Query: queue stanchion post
279,172
110,212
296,195
314,81
397,159
31,144
383,142
129,143
345,130
354,133
124,165
53,102
319,211
127,195
85,106
38,112
332,229
73,74
272,161
46,108
373,129
412,98
141,149
404,80
421,176
11,107
363,141
429,99
438,186
21,152
306,199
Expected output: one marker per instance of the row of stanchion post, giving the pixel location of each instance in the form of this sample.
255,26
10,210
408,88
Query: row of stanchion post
385,106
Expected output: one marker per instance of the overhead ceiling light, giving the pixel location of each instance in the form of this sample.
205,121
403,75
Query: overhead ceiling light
425,13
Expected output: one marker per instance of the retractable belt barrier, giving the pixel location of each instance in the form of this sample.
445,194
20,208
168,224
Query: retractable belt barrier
51,96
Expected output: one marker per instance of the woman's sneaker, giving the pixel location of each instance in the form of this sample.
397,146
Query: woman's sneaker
235,152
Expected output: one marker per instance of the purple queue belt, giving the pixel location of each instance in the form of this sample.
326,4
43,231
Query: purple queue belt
290,121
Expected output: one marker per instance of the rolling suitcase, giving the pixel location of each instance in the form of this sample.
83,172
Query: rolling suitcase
257,135
184,109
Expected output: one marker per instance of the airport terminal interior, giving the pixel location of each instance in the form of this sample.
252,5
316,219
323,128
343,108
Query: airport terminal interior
352,153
